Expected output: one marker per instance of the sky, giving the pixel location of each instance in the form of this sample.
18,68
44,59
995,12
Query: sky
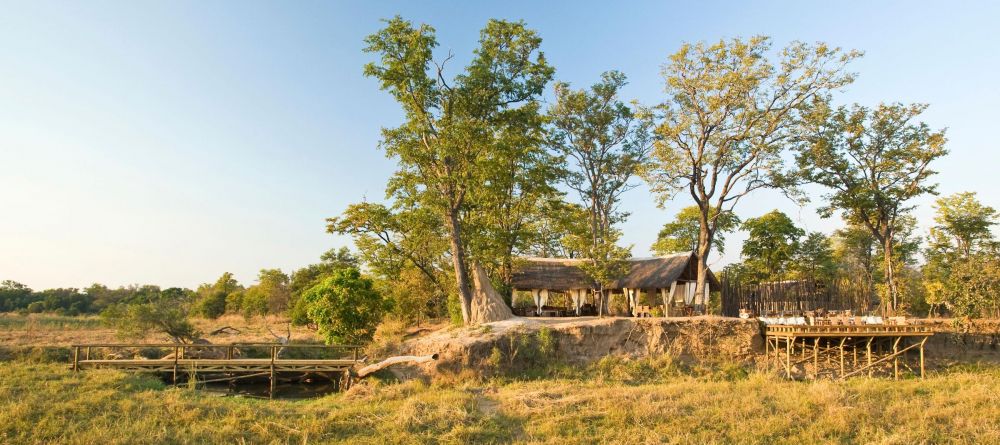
168,142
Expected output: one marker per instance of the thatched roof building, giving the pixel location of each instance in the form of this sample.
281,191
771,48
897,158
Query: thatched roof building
562,274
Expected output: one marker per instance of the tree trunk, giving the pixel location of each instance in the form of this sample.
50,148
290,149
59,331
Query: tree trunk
704,247
458,260
600,302
890,279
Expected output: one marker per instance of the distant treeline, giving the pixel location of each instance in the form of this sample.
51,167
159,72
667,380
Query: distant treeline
275,293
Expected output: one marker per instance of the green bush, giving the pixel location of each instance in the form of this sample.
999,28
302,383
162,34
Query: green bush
345,307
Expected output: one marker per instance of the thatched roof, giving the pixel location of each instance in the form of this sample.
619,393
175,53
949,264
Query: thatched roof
643,273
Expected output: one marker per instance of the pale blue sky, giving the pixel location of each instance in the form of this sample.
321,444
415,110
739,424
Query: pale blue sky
168,142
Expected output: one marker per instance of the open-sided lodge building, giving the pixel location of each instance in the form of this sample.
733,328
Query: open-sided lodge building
668,281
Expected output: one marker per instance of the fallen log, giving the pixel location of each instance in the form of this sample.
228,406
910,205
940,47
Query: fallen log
370,369
225,330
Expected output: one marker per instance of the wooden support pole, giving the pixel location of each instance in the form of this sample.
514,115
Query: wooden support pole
816,356
87,357
788,356
270,392
868,348
842,340
176,354
922,357
76,358
895,359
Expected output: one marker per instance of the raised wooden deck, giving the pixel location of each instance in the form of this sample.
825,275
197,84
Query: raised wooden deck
834,350
880,330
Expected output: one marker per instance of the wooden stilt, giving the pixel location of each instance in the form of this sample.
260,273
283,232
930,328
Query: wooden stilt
816,356
270,392
788,357
76,358
922,357
868,349
895,359
176,354
842,340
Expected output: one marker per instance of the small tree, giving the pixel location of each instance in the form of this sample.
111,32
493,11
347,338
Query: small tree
681,234
345,307
814,259
212,299
772,243
165,315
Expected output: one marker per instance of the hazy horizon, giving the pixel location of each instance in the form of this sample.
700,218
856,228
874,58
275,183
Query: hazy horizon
166,143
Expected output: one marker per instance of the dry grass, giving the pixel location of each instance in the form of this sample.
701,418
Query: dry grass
54,330
49,404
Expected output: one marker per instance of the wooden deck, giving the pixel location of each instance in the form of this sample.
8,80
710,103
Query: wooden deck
843,351
223,362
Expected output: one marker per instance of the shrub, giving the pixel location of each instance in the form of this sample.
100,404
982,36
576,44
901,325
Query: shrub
345,307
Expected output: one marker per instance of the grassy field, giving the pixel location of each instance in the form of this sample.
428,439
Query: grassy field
40,330
612,402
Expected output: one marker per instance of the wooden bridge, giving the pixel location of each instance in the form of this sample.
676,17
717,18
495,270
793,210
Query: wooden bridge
834,349
225,362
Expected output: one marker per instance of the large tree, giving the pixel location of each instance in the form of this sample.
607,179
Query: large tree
605,143
873,161
452,127
730,114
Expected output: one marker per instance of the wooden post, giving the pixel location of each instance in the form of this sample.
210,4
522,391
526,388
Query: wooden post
177,352
868,348
816,356
788,356
76,358
842,340
895,358
270,392
922,357
87,357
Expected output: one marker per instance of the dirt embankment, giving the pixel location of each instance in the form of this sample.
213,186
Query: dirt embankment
585,340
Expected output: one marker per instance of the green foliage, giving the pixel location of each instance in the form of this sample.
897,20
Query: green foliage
460,133
972,287
729,115
814,258
214,299
254,302
345,307
406,253
14,296
166,315
964,223
873,161
606,144
681,234
772,242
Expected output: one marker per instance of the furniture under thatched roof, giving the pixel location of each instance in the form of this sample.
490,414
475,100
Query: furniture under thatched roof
560,274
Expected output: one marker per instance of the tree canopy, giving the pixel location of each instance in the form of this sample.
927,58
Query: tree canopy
873,161
457,132
730,113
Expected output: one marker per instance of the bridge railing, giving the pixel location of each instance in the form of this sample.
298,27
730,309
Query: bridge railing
217,351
